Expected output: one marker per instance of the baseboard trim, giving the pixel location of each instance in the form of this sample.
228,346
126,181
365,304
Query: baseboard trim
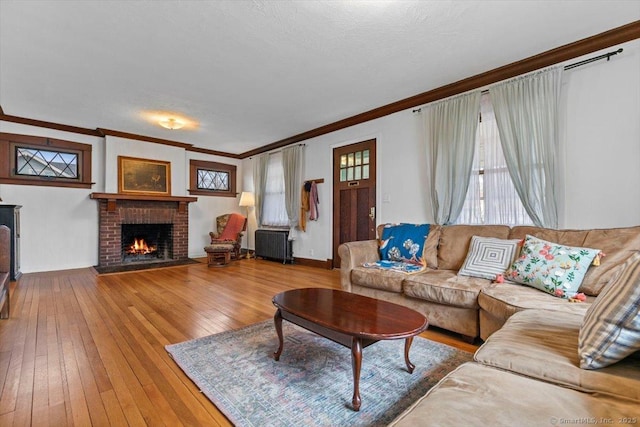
317,263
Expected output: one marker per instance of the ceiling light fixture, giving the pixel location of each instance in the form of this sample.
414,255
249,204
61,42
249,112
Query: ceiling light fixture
171,123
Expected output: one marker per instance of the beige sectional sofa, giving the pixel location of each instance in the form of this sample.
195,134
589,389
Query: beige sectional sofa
527,372
473,306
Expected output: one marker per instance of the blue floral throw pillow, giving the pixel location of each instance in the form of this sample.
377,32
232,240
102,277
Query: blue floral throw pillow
550,267
403,242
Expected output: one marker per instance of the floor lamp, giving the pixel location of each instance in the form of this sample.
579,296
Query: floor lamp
247,200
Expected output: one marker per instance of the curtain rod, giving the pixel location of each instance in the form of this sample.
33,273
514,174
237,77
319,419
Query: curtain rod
607,55
279,151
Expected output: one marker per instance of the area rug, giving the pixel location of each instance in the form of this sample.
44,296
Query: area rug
312,383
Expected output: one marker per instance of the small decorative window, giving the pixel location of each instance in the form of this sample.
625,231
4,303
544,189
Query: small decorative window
212,179
34,160
46,163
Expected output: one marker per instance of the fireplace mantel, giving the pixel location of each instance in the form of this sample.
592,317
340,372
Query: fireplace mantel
111,199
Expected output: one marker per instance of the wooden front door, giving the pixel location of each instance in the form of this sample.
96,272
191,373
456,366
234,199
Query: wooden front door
354,194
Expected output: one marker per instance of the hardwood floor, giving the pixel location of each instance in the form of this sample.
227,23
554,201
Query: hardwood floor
85,349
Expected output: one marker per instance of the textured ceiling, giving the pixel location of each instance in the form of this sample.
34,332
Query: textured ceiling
247,73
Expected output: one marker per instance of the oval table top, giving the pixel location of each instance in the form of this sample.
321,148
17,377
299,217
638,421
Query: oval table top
352,314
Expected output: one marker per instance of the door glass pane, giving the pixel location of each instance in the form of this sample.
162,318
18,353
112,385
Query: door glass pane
350,159
343,175
358,172
343,161
365,172
349,174
365,157
358,158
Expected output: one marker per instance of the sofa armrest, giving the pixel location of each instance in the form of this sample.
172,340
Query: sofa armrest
354,254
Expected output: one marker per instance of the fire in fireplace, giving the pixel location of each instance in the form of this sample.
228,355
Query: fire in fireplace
146,242
139,246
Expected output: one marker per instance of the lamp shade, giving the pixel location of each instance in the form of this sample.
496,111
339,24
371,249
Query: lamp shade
247,199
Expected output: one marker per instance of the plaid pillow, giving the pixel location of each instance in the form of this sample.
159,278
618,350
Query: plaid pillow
610,330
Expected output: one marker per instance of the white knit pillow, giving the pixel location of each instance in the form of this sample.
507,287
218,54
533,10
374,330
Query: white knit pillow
610,330
488,257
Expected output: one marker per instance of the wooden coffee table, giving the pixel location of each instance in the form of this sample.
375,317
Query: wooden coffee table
353,320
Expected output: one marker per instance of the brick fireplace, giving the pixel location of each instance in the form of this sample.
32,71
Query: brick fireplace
117,211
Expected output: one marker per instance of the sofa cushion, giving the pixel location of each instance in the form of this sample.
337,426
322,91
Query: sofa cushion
611,328
489,257
503,300
445,287
551,267
543,344
378,279
455,240
565,237
617,244
477,395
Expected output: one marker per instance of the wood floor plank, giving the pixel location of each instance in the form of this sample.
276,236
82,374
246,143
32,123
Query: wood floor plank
85,349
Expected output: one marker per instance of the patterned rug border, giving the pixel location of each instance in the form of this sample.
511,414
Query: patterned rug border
418,382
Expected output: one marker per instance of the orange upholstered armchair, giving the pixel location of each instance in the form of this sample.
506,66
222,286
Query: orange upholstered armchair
229,230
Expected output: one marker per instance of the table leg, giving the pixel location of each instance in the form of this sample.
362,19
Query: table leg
356,362
407,346
277,319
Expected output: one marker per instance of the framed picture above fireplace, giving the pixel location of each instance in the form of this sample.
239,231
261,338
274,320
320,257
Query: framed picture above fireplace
144,176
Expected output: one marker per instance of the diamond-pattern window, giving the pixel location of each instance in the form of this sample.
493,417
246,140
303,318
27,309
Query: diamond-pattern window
213,180
46,163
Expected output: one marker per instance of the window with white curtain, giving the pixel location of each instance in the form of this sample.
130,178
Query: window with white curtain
491,197
274,211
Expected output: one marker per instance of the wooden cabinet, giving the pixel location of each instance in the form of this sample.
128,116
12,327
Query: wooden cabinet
10,216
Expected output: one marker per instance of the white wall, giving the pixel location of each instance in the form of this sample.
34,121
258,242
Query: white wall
600,168
59,226
602,137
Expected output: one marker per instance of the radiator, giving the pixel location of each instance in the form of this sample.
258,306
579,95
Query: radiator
274,244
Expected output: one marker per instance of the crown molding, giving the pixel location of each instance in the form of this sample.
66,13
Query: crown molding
48,125
560,54
563,53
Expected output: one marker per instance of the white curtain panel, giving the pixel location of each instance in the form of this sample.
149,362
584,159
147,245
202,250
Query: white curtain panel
450,130
274,212
502,203
259,182
526,112
292,167
473,208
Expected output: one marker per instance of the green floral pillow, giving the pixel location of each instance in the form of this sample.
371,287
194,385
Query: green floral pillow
550,267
